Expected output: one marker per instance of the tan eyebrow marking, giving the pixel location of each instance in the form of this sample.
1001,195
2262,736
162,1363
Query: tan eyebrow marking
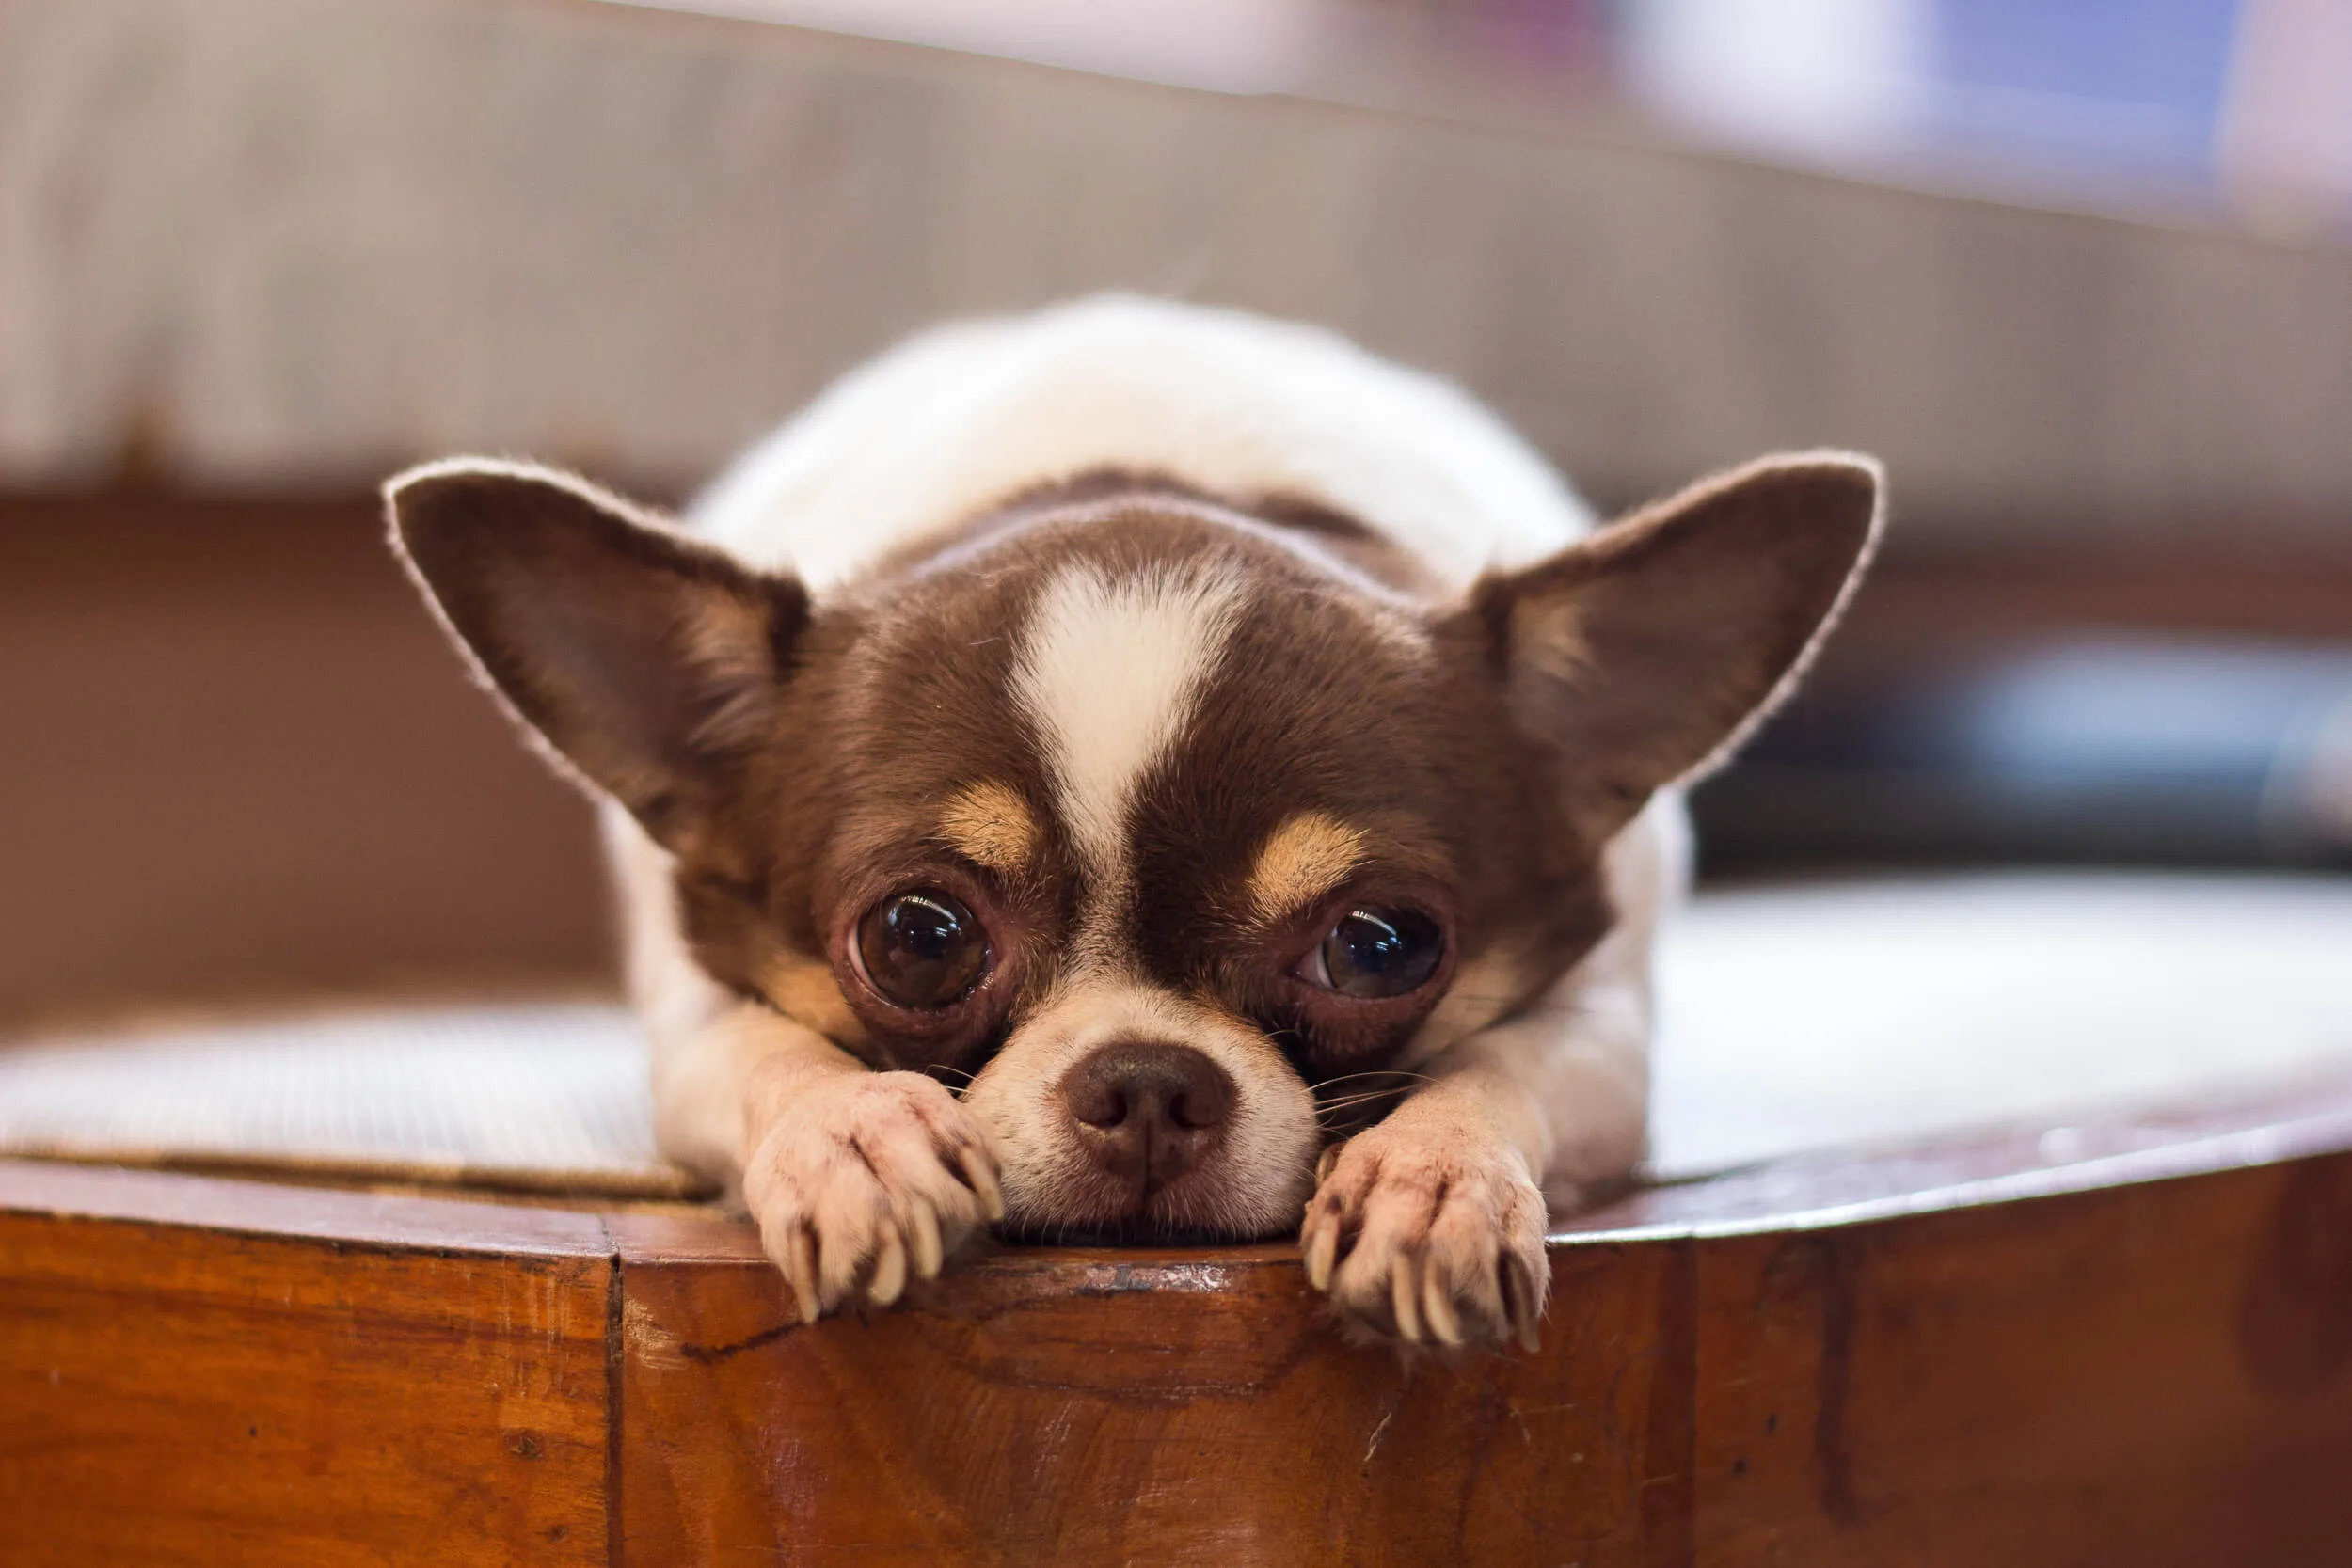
802,990
1304,858
992,826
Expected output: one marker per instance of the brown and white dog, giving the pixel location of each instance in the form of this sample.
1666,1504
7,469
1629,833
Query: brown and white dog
1144,771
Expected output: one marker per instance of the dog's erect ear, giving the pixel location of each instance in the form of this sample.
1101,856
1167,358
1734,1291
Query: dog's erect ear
1643,653
650,662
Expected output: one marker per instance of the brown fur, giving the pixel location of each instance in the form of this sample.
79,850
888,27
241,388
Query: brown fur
1623,709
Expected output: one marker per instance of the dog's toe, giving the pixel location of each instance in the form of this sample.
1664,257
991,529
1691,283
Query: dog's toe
866,1183
1429,1245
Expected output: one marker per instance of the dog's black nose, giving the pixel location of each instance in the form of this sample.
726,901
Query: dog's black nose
1147,1111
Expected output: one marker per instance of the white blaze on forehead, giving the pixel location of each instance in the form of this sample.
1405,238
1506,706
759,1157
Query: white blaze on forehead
1108,671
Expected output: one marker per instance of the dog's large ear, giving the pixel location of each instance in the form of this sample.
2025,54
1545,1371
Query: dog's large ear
1638,656
649,663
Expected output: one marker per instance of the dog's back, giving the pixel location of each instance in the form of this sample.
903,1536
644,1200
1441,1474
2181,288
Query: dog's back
1235,405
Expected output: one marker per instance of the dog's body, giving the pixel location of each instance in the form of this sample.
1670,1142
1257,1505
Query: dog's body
1189,735
897,461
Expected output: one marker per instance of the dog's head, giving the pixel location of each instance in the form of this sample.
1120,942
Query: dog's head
1173,837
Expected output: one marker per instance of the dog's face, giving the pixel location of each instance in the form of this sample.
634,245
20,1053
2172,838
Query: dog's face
1174,838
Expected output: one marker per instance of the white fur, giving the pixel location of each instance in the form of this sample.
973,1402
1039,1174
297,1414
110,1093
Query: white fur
1261,1184
964,414
1107,673
936,430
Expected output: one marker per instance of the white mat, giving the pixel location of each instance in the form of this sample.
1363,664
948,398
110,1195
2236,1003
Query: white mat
1793,1020
548,1096
1865,1012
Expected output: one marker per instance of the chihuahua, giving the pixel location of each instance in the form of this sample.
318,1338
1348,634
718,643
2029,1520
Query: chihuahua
1138,771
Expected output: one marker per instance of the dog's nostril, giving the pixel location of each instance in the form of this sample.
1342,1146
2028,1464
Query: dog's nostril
1095,1100
1151,1107
1201,1108
1173,1085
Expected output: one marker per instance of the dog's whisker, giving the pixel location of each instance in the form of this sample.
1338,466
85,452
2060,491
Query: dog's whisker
1344,1101
1337,1104
1396,1073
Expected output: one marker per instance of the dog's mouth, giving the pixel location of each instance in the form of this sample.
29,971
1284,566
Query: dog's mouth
1198,1208
1134,1231
1149,1142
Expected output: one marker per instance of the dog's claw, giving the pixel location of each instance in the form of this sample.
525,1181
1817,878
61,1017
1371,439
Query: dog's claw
799,1270
980,1174
929,1255
1523,1302
890,1269
1405,1297
1323,1249
1437,1309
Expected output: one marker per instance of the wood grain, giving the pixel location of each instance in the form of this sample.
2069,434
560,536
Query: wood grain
2146,1375
2129,1344
1156,1407
427,1386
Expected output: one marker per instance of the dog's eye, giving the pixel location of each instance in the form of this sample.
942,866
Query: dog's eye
922,950
1375,953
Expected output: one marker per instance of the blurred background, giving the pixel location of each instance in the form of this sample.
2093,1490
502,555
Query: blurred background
2080,273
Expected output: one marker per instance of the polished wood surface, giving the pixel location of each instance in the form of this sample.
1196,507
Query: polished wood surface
2130,1375
2123,1341
1158,1408
298,1377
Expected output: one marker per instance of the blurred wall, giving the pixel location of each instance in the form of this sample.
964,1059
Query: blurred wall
263,242
237,760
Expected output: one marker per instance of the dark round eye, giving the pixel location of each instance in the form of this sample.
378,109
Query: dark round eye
1377,953
922,950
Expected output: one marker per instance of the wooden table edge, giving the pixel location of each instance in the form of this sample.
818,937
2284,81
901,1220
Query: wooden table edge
1811,1192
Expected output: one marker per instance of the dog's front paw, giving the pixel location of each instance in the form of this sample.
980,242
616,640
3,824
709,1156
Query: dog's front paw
1413,1237
860,1179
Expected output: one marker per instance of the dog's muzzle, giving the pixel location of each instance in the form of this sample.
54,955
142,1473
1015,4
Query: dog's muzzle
1146,1112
